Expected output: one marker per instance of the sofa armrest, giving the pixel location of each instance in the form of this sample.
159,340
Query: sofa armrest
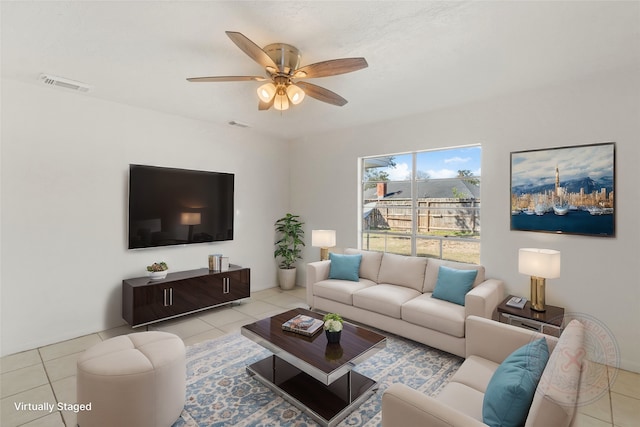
404,406
495,341
483,299
316,271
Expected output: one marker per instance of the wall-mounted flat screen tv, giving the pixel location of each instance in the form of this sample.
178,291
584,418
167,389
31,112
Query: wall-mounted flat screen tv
170,206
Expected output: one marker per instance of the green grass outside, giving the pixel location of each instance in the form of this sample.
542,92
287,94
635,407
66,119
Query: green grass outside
452,250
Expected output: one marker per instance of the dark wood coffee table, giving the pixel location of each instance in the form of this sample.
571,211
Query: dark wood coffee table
313,375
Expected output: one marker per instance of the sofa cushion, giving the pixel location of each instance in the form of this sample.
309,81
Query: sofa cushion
441,316
340,290
370,265
433,268
510,391
465,399
453,284
557,394
475,372
402,270
344,267
384,299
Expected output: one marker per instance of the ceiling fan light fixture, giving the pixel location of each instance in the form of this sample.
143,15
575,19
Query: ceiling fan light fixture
295,94
266,92
281,63
281,102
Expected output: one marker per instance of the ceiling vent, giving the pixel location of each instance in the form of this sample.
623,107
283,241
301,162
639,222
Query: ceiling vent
51,80
239,124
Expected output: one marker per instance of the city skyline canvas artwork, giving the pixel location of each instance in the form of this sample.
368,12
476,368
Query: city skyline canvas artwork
564,190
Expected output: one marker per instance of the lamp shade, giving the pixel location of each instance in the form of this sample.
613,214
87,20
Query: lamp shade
539,262
190,218
295,94
281,102
266,92
323,238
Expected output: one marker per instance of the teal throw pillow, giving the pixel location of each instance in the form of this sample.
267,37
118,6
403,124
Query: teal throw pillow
510,391
345,267
453,284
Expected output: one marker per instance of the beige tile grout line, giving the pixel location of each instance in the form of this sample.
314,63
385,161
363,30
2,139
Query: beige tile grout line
50,384
609,394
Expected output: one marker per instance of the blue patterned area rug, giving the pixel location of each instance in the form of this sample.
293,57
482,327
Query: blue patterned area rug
221,393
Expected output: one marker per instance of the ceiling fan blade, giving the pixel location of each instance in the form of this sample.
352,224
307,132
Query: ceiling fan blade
254,51
262,106
332,67
321,94
227,79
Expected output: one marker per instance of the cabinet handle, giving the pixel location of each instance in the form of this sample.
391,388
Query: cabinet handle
226,285
167,297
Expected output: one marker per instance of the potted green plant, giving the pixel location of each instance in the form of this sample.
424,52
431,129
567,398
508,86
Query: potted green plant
157,270
288,248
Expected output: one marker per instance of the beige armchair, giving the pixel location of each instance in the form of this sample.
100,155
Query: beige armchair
488,344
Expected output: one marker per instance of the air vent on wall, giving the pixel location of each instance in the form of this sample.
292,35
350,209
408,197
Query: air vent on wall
51,80
239,124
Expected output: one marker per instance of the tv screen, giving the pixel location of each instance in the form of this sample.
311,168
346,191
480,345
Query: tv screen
178,206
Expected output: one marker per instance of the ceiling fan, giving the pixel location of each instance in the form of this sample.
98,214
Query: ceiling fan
281,62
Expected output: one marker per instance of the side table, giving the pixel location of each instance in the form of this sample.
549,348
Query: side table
550,322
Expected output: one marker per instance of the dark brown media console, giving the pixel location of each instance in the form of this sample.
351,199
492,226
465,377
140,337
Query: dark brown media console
145,301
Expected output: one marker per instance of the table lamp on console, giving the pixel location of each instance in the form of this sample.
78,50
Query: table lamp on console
323,239
540,264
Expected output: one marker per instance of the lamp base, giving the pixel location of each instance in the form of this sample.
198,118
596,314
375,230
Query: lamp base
537,293
324,254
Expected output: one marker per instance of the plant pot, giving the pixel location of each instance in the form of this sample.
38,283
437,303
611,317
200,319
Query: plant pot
332,337
157,275
287,278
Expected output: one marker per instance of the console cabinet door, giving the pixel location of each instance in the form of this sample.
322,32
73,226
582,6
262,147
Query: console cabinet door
234,285
152,302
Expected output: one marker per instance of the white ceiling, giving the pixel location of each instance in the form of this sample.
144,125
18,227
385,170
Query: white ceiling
422,55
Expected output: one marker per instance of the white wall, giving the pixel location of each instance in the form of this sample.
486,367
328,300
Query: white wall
599,275
65,160
64,168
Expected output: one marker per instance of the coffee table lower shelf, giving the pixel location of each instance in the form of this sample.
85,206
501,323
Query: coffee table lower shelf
326,404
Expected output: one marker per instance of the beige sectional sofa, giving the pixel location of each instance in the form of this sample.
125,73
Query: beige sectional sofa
566,381
394,293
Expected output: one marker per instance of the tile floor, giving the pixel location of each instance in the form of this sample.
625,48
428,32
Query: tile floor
47,374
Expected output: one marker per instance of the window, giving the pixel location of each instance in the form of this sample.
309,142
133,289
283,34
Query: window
423,203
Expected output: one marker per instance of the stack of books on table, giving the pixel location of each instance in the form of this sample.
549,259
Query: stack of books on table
517,302
304,325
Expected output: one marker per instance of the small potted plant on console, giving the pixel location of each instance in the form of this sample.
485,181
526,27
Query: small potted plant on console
332,327
157,270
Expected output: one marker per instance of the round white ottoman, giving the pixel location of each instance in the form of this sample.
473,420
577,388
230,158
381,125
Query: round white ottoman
133,380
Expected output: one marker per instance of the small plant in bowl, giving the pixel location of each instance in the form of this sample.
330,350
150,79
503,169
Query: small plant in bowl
157,270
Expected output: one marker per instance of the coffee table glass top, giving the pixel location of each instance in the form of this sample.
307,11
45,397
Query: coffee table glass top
313,355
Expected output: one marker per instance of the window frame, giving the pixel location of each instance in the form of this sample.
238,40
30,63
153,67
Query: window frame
415,233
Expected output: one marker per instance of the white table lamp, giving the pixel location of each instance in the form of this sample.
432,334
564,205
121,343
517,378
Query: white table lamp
540,264
323,239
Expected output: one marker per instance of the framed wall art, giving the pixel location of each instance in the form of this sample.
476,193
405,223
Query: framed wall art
564,190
